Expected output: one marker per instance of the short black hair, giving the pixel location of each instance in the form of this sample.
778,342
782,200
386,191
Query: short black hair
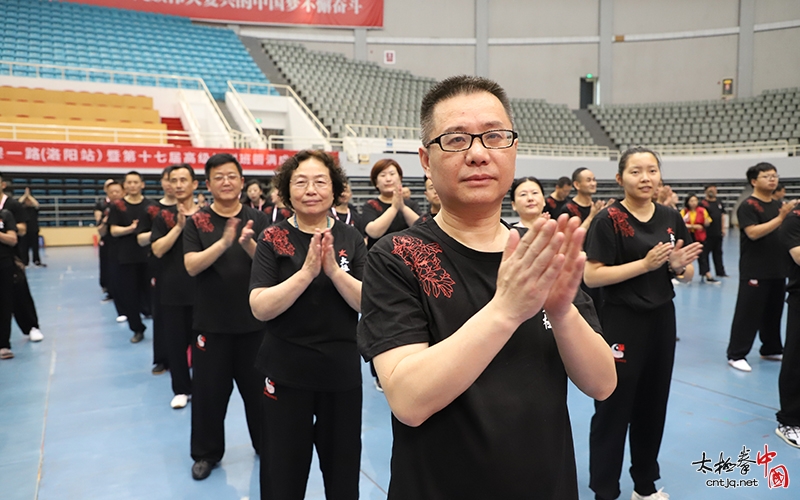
522,180
577,173
134,172
705,188
166,171
779,187
183,166
689,197
752,172
623,159
283,176
564,181
113,183
220,159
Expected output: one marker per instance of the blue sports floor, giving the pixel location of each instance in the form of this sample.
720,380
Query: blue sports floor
82,417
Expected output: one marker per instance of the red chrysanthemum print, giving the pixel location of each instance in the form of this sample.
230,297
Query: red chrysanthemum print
551,202
755,204
422,260
280,240
203,222
152,211
286,213
169,219
620,221
120,205
573,209
374,204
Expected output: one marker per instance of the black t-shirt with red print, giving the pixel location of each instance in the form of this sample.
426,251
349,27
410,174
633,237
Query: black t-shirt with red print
177,287
508,435
311,345
351,217
275,214
122,213
553,207
374,208
715,210
222,300
765,257
616,237
7,224
574,210
790,237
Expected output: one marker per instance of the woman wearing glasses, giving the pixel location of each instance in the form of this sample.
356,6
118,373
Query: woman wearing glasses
389,212
306,284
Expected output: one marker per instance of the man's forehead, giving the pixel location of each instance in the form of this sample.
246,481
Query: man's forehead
463,110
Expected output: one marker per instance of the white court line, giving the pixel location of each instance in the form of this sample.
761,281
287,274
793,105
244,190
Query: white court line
44,424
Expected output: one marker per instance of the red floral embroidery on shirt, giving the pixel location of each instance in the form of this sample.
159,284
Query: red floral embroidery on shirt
203,222
620,221
551,202
573,209
374,204
422,260
169,219
280,240
120,205
755,204
152,211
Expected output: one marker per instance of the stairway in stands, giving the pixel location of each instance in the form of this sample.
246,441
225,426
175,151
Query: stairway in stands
175,124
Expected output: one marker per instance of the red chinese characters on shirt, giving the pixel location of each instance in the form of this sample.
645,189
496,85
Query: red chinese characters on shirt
280,240
374,204
756,205
203,222
620,220
169,219
422,260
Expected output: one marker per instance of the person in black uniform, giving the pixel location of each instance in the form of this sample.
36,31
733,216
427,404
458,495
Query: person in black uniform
128,219
582,205
100,218
389,212
312,393
30,243
476,371
554,203
276,211
218,250
177,291
8,240
434,204
254,195
346,212
716,231
634,248
762,278
109,249
789,380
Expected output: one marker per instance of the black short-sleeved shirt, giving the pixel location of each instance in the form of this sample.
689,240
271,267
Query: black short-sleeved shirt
177,287
7,223
424,218
508,435
351,217
18,212
32,214
553,207
715,210
275,214
616,237
790,237
574,210
372,209
123,214
311,345
765,257
222,301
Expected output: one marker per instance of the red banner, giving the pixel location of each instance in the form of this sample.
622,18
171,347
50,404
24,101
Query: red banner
115,156
361,13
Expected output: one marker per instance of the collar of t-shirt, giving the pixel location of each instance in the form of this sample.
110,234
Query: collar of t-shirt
336,215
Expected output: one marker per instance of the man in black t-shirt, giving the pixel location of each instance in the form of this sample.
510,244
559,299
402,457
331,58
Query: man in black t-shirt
128,220
109,250
470,335
762,278
434,205
218,250
789,380
101,219
8,240
716,231
554,203
30,243
582,204
176,287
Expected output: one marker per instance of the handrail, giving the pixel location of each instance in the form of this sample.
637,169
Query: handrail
247,112
273,141
725,148
103,134
190,117
291,93
135,76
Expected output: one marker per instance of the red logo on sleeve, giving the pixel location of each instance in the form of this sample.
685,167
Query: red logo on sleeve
620,220
169,219
374,204
573,209
203,222
756,205
152,211
280,240
422,260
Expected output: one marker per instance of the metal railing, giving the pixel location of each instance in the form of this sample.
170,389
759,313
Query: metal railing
73,133
281,90
726,148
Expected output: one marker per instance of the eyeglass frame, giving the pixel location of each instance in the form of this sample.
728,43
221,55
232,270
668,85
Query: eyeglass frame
438,140
302,183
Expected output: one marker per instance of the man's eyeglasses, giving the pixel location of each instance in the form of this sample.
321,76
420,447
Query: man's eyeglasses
770,177
454,142
222,178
